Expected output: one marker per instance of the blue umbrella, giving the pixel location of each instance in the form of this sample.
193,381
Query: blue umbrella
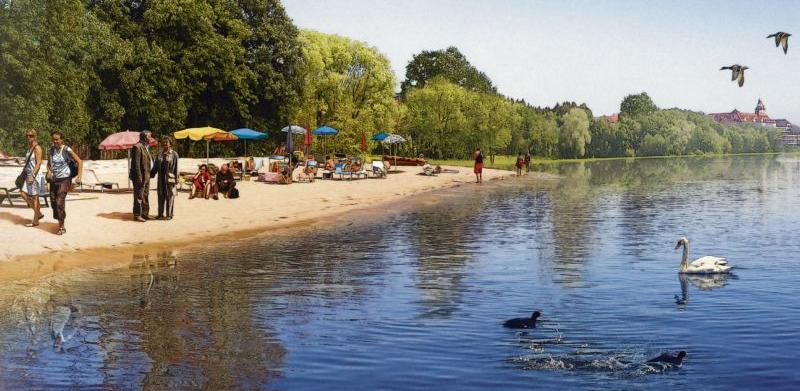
380,136
325,131
248,134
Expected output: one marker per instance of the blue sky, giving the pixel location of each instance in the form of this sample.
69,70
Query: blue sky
590,51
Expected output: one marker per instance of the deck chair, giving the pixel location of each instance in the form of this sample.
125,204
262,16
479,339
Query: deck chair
8,195
95,182
361,172
341,172
378,170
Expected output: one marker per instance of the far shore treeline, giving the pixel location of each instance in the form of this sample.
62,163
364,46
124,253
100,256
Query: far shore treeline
94,67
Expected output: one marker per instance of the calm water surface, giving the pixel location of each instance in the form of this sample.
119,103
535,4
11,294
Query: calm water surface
415,299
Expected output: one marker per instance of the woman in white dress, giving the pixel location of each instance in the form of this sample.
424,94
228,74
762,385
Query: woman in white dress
34,182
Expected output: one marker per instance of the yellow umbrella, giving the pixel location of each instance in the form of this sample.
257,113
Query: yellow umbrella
206,133
196,134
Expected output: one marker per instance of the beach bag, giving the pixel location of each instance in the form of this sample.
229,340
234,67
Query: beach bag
234,193
23,176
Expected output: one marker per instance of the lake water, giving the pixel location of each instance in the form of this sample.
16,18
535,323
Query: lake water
415,299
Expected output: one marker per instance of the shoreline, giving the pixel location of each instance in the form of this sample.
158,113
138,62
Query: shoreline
110,237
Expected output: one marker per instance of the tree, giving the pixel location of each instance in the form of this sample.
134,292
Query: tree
575,135
345,84
437,119
638,105
449,64
46,69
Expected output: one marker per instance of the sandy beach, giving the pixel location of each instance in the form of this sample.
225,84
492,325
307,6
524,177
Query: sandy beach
103,221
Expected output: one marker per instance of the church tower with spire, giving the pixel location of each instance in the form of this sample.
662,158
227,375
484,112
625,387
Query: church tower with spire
761,110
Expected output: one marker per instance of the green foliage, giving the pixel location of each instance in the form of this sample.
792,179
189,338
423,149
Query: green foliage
575,135
637,105
348,85
449,64
96,67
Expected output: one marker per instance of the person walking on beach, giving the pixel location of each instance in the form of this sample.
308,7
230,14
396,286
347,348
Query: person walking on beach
141,165
63,164
166,172
520,164
528,161
34,180
478,156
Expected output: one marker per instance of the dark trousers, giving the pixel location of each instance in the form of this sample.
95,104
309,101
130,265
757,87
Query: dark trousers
58,196
141,200
166,201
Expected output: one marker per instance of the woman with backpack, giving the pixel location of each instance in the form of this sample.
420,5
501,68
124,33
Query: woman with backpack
63,165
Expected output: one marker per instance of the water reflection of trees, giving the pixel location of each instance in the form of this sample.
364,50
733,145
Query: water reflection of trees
443,240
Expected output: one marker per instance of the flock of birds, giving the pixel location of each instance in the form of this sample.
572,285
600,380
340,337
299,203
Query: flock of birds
706,265
737,71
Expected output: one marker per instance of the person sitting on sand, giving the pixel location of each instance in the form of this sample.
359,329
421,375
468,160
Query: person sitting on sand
224,182
202,183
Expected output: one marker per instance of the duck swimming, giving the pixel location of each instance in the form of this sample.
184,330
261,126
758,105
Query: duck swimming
668,358
522,323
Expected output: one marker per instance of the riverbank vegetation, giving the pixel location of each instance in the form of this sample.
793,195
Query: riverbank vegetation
94,68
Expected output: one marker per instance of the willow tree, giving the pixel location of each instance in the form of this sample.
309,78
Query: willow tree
346,84
575,135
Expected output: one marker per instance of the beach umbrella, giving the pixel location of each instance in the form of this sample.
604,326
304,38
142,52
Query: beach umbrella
307,138
296,129
325,131
123,141
205,133
248,134
380,136
394,139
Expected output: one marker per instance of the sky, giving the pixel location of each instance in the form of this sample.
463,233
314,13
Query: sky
595,52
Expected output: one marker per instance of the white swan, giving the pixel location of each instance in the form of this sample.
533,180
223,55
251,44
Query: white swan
703,265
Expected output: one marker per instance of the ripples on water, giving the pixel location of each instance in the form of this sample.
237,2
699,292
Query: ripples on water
415,299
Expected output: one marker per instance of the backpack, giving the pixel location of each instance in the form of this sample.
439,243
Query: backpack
73,167
234,193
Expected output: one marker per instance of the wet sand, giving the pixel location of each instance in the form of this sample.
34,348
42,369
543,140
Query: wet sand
100,229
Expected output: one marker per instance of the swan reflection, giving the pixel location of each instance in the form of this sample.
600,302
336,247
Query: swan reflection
703,282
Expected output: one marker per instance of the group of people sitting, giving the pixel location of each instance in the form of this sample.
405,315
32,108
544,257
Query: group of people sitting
206,184
351,164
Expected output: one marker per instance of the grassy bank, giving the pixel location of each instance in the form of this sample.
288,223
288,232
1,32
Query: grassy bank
506,162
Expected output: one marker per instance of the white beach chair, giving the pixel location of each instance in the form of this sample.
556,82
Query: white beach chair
91,181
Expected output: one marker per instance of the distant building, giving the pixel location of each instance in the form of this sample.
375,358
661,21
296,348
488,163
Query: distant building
613,118
760,117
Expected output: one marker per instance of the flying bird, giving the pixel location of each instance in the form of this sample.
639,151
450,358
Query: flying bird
781,38
737,72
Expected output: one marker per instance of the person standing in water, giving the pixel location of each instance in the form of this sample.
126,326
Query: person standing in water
60,177
166,172
478,156
34,180
141,165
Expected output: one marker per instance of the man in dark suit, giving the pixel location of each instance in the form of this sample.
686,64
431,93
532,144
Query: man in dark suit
141,165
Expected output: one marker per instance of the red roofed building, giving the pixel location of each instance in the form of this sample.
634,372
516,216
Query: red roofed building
759,117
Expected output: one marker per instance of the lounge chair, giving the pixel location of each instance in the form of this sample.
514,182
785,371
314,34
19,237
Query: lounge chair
361,172
378,169
95,182
341,172
11,194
